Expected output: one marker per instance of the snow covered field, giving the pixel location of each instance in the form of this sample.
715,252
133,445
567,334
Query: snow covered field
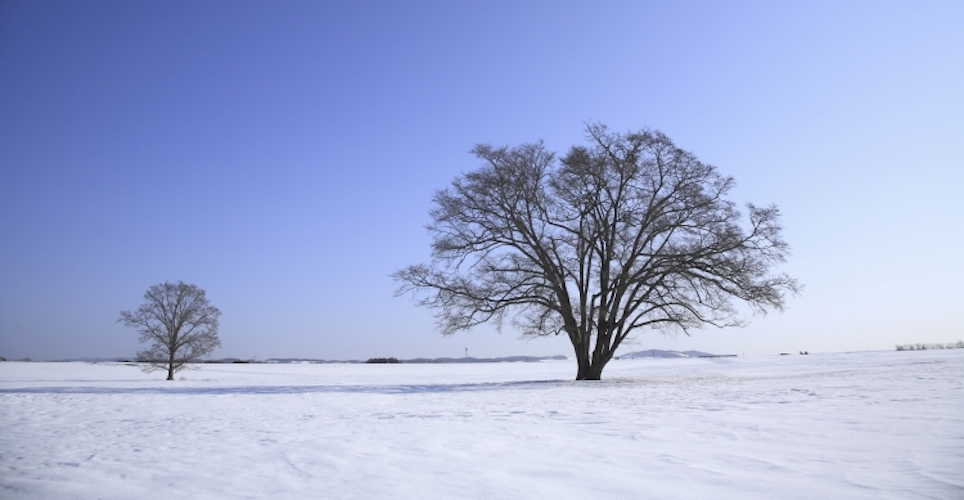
857,425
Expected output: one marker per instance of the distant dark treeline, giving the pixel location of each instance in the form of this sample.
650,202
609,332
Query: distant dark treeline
926,347
383,360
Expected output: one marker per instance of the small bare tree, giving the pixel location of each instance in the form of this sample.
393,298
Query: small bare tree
629,232
180,324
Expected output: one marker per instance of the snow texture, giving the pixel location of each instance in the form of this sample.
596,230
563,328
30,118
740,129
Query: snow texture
856,425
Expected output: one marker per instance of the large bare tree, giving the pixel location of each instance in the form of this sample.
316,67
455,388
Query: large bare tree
628,232
180,324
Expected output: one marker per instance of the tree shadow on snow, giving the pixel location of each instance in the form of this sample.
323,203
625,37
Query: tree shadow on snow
296,389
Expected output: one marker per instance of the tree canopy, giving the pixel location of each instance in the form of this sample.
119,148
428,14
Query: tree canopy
178,322
627,232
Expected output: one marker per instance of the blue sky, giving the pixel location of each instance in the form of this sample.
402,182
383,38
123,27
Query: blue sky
283,156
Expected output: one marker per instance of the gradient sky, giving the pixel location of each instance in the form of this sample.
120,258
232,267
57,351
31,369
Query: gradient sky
283,156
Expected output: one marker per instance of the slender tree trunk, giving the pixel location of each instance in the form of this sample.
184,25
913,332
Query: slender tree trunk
170,360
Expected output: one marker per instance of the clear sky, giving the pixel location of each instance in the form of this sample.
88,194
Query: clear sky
283,156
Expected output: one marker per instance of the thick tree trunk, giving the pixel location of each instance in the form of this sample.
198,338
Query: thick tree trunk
589,369
170,371
595,369
590,366
582,361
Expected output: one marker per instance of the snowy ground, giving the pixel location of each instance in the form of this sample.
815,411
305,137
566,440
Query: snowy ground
857,425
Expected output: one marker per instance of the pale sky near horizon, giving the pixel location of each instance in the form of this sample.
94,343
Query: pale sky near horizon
283,156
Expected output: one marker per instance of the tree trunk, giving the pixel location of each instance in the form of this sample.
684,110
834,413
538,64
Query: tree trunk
590,367
582,361
170,361
595,369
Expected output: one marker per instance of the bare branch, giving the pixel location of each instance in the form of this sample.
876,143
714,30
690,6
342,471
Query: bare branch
180,324
628,232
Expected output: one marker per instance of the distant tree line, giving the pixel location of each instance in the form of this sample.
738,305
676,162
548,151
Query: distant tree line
383,360
925,347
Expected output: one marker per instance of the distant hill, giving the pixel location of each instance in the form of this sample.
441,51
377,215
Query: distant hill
656,353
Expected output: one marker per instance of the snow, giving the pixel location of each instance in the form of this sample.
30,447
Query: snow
855,425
